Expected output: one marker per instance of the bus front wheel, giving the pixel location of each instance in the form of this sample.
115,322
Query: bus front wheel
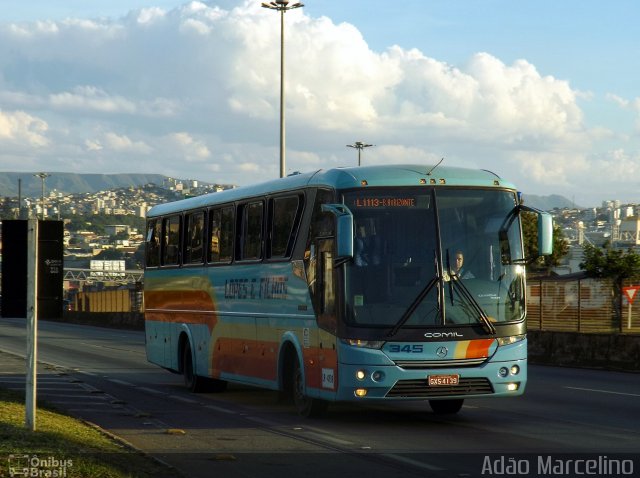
446,407
195,383
306,406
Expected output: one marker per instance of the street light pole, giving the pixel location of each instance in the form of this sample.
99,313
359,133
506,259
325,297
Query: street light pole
359,145
282,6
42,176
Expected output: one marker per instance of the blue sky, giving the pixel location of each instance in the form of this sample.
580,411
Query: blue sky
543,92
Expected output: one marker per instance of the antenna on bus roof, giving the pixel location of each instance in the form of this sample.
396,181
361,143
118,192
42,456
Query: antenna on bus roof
431,170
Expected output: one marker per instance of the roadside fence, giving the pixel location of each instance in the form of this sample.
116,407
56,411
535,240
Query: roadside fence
580,305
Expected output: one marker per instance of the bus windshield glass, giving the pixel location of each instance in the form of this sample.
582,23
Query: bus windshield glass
428,258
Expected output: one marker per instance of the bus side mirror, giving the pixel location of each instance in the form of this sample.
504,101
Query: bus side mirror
344,230
545,234
545,230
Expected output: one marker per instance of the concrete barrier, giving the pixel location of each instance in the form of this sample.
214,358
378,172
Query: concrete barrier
116,320
573,349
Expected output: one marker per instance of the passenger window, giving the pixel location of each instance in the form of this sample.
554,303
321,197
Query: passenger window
284,219
221,234
194,240
252,231
152,250
171,241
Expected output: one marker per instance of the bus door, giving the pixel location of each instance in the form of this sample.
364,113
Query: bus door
321,367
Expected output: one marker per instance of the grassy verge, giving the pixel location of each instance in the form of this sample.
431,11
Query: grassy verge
64,447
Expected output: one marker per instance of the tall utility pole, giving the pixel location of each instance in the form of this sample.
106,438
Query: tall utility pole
42,176
359,145
282,6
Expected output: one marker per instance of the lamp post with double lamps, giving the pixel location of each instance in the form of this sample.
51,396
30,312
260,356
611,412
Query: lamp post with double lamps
282,6
42,176
359,145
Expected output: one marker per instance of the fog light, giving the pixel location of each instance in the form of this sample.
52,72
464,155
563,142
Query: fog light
361,374
503,372
512,387
515,370
377,376
361,392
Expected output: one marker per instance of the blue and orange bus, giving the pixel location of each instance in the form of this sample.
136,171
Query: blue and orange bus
380,283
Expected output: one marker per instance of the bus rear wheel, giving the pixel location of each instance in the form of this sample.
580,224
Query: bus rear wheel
306,406
446,407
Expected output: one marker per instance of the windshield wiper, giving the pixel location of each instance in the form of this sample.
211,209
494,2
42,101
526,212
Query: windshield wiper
464,292
466,295
418,300
413,306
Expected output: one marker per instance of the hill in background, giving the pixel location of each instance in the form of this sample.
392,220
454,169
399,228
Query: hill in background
547,203
71,183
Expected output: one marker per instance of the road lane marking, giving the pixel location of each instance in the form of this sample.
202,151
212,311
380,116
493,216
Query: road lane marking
604,391
220,409
183,399
121,382
151,390
409,461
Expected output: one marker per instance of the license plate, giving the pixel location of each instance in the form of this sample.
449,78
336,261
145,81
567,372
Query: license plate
443,380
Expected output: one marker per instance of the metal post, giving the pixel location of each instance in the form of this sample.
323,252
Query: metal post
579,305
283,169
42,176
541,304
32,324
282,6
359,145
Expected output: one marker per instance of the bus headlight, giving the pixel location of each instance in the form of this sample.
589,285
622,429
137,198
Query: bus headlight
510,340
503,372
361,374
367,344
515,370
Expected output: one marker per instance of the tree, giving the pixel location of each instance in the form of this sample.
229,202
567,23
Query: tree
611,263
615,264
530,238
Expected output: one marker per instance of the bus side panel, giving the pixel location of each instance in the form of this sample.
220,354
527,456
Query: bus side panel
154,340
321,365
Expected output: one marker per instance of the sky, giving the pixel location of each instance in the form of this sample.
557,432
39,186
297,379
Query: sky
545,93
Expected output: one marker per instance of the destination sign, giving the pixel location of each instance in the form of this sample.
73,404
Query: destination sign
385,202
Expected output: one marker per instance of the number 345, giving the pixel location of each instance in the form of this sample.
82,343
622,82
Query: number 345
411,349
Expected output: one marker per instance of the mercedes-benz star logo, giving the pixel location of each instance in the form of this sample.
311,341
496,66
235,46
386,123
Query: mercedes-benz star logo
442,352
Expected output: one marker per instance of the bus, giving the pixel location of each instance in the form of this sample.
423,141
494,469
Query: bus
344,285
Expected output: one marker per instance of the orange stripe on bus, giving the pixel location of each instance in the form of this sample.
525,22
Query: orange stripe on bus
179,299
479,348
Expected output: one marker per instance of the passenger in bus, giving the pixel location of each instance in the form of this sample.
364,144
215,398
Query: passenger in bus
459,268
367,246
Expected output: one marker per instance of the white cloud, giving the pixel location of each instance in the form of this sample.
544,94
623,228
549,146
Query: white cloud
187,148
122,144
197,88
91,98
19,129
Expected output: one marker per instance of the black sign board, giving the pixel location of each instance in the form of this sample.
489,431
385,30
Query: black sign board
14,269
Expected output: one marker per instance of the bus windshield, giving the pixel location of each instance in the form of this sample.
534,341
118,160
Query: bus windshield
427,257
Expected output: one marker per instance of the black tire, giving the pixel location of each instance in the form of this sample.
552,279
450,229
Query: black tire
195,383
446,407
306,406
191,380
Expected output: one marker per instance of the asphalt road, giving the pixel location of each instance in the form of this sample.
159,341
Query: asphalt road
101,375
